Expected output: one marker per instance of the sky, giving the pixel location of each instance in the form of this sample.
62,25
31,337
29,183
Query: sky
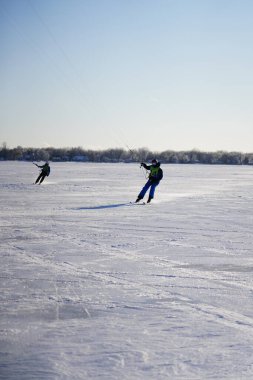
160,74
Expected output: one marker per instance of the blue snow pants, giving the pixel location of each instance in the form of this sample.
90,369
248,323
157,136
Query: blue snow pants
150,184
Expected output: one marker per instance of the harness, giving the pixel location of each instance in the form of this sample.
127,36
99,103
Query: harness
154,171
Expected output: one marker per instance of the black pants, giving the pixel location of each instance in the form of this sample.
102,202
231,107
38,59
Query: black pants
40,178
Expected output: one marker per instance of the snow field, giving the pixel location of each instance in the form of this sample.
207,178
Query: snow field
95,288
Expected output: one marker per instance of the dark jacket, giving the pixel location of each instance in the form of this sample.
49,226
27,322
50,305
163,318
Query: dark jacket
156,173
45,169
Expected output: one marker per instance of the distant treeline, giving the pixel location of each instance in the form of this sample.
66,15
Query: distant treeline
121,155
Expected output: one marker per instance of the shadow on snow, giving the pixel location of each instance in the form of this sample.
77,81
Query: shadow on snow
104,206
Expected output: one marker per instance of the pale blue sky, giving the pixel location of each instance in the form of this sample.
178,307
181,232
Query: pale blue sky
161,74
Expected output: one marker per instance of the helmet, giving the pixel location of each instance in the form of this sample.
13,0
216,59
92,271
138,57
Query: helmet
154,161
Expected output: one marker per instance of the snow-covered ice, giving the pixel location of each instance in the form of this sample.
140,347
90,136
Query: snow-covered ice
95,288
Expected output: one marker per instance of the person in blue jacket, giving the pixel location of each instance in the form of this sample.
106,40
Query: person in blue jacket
155,176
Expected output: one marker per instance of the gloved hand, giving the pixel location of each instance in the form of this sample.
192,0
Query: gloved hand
142,163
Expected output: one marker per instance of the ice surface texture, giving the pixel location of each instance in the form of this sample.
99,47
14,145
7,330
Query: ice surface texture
92,288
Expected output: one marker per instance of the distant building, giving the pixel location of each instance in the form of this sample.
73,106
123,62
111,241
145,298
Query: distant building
28,157
80,158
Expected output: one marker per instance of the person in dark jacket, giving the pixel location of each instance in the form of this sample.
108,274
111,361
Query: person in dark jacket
155,176
45,171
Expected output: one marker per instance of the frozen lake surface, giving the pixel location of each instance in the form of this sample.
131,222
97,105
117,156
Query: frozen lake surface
95,288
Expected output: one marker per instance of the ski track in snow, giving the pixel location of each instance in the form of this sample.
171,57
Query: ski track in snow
96,288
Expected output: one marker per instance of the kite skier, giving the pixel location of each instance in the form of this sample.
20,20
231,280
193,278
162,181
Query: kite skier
45,171
155,176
